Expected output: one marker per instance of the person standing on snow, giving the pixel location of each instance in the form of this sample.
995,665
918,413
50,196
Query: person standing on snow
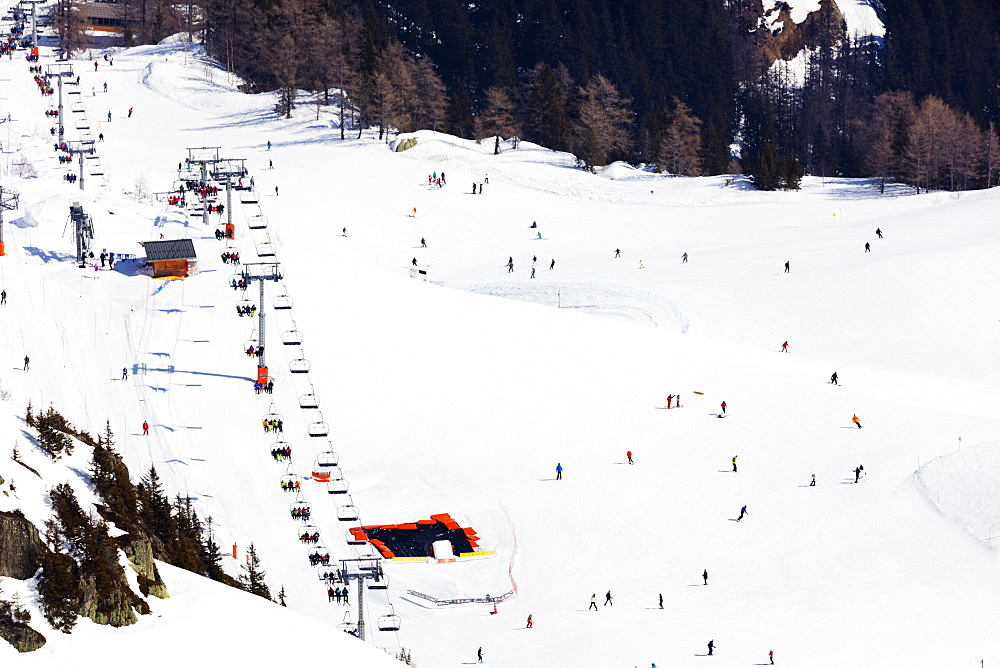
607,599
711,647
684,258
423,242
629,455
480,654
124,373
770,655
510,265
275,191
558,471
593,602
813,483
856,421
784,347
670,399
734,463
723,407
878,232
743,511
661,601
26,362
857,474
833,378
145,428
787,266
618,252
3,297
532,272
868,247
704,576
530,623
552,265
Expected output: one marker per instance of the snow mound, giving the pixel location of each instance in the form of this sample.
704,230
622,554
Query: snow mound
965,488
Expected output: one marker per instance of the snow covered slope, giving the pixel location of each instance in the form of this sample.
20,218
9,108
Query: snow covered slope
442,397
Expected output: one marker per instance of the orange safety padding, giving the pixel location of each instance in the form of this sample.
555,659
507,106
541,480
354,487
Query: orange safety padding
376,542
388,554
442,517
452,525
409,527
360,535
426,521
469,531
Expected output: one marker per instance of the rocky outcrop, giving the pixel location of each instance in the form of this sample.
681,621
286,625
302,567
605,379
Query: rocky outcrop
22,637
113,608
140,556
139,549
21,548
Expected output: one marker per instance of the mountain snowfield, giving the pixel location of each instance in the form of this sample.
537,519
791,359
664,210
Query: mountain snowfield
461,394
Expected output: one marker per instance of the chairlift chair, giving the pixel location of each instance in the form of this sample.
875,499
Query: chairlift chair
319,551
337,484
289,479
82,123
328,574
281,445
79,107
249,197
347,512
352,539
300,510
265,249
299,364
282,302
308,401
347,625
257,222
318,429
388,622
97,170
291,337
306,533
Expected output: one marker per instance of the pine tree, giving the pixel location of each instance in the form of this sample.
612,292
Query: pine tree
52,429
497,117
281,597
58,585
681,147
604,122
252,578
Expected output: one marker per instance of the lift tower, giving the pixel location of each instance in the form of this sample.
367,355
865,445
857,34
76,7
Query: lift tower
260,272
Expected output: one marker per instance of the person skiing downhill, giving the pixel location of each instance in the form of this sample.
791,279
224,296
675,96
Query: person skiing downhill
878,232
618,252
124,373
530,623
711,647
868,247
684,258
813,483
743,511
734,463
833,378
856,421
629,455
607,599
784,347
770,655
723,407
480,654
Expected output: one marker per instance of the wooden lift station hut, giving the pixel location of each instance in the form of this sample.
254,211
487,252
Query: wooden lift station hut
170,258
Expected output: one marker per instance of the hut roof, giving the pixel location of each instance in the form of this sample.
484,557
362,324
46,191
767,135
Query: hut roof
174,249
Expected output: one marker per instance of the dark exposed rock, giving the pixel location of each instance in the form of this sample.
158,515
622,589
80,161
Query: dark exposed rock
21,548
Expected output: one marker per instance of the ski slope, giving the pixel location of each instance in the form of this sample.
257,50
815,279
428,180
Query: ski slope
461,394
